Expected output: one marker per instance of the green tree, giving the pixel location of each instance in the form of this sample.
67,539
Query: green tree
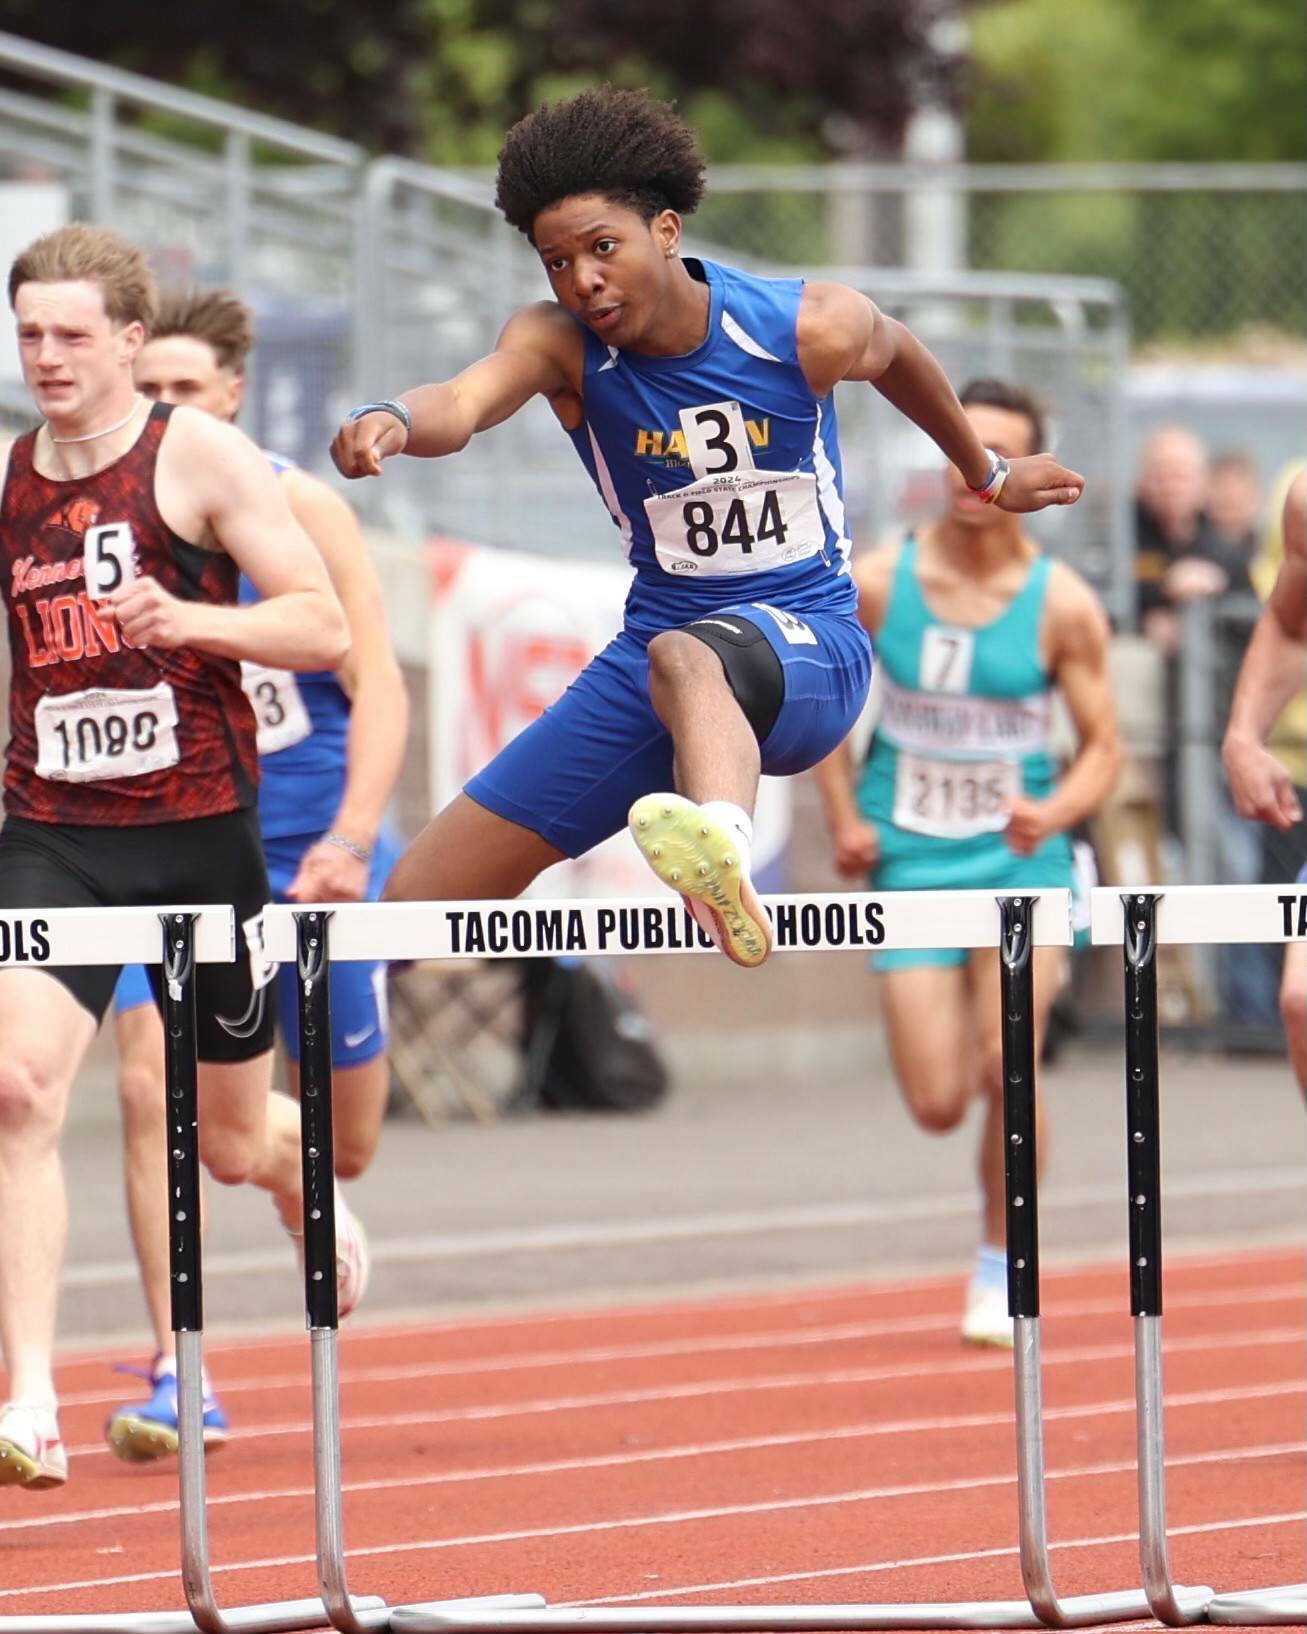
348,69
1125,80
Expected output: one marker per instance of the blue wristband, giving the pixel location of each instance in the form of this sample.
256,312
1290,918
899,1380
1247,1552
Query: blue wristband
388,405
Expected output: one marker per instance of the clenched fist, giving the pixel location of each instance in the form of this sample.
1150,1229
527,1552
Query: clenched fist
359,447
1037,480
149,616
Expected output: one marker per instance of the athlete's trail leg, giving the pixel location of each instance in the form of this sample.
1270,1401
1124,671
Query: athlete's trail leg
466,852
44,1033
717,754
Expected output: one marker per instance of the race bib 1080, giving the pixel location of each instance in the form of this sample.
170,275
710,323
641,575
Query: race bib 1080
740,522
85,737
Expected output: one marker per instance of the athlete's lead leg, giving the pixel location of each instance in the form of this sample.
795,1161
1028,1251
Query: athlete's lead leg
698,843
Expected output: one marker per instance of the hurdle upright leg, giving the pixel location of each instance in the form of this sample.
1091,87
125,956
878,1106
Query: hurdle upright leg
317,1161
181,1081
1251,1607
1144,1168
1020,1172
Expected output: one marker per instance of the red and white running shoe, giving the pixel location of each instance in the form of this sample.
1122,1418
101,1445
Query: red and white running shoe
32,1453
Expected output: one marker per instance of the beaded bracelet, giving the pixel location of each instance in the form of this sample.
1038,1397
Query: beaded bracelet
362,852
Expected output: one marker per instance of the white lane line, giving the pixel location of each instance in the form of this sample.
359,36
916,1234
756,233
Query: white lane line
705,1344
733,1300
959,1557
681,1517
427,1247
775,1382
706,1449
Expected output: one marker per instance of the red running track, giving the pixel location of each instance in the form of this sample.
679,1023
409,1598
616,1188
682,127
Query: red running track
835,1444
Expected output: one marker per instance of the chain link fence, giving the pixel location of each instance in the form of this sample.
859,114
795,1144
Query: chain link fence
1203,253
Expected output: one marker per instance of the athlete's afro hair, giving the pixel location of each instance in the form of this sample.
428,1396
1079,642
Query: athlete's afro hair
623,145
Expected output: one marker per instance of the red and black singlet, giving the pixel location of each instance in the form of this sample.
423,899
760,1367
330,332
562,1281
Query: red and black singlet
101,732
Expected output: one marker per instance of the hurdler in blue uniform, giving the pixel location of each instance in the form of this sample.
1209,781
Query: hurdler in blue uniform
700,399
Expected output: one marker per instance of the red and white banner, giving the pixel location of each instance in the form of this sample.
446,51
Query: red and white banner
508,632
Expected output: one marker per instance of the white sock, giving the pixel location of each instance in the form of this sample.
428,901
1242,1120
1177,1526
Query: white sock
737,823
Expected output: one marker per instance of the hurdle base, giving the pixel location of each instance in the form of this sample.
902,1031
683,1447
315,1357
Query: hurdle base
278,1619
1252,1607
1077,1611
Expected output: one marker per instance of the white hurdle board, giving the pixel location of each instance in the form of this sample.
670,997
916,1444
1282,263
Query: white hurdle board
36,938
1202,915
524,927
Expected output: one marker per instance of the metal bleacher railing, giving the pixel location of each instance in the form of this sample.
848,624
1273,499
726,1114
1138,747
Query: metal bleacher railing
367,276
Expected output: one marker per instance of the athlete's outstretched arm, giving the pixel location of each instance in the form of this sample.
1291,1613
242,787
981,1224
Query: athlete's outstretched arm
378,719
844,336
1078,638
1269,677
531,358
214,485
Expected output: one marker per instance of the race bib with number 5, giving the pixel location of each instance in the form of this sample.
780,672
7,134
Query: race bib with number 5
110,558
279,708
84,737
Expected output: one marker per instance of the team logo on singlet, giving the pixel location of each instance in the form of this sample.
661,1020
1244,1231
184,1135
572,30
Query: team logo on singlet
669,447
75,517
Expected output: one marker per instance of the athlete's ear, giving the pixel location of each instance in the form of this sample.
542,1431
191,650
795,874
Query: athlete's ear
235,395
666,227
131,337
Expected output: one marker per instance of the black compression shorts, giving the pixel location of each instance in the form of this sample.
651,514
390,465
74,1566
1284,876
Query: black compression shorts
201,861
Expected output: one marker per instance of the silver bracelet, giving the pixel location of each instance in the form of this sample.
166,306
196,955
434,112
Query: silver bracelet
362,852
387,405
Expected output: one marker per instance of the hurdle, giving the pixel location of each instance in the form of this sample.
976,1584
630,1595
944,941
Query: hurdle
844,922
344,1612
1138,922
178,939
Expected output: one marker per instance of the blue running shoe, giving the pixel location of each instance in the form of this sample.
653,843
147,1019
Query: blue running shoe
140,1432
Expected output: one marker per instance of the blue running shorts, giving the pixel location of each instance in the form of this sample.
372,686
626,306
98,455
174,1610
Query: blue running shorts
359,1021
575,772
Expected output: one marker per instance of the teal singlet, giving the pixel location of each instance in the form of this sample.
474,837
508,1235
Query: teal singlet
963,728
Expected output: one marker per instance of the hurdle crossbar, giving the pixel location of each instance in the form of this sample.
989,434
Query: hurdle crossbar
1139,921
851,921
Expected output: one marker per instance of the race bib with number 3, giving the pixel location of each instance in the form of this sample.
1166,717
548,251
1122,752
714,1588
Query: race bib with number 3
716,439
110,558
279,708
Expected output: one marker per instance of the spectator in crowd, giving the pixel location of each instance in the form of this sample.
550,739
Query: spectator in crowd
1180,553
1182,556
1234,504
